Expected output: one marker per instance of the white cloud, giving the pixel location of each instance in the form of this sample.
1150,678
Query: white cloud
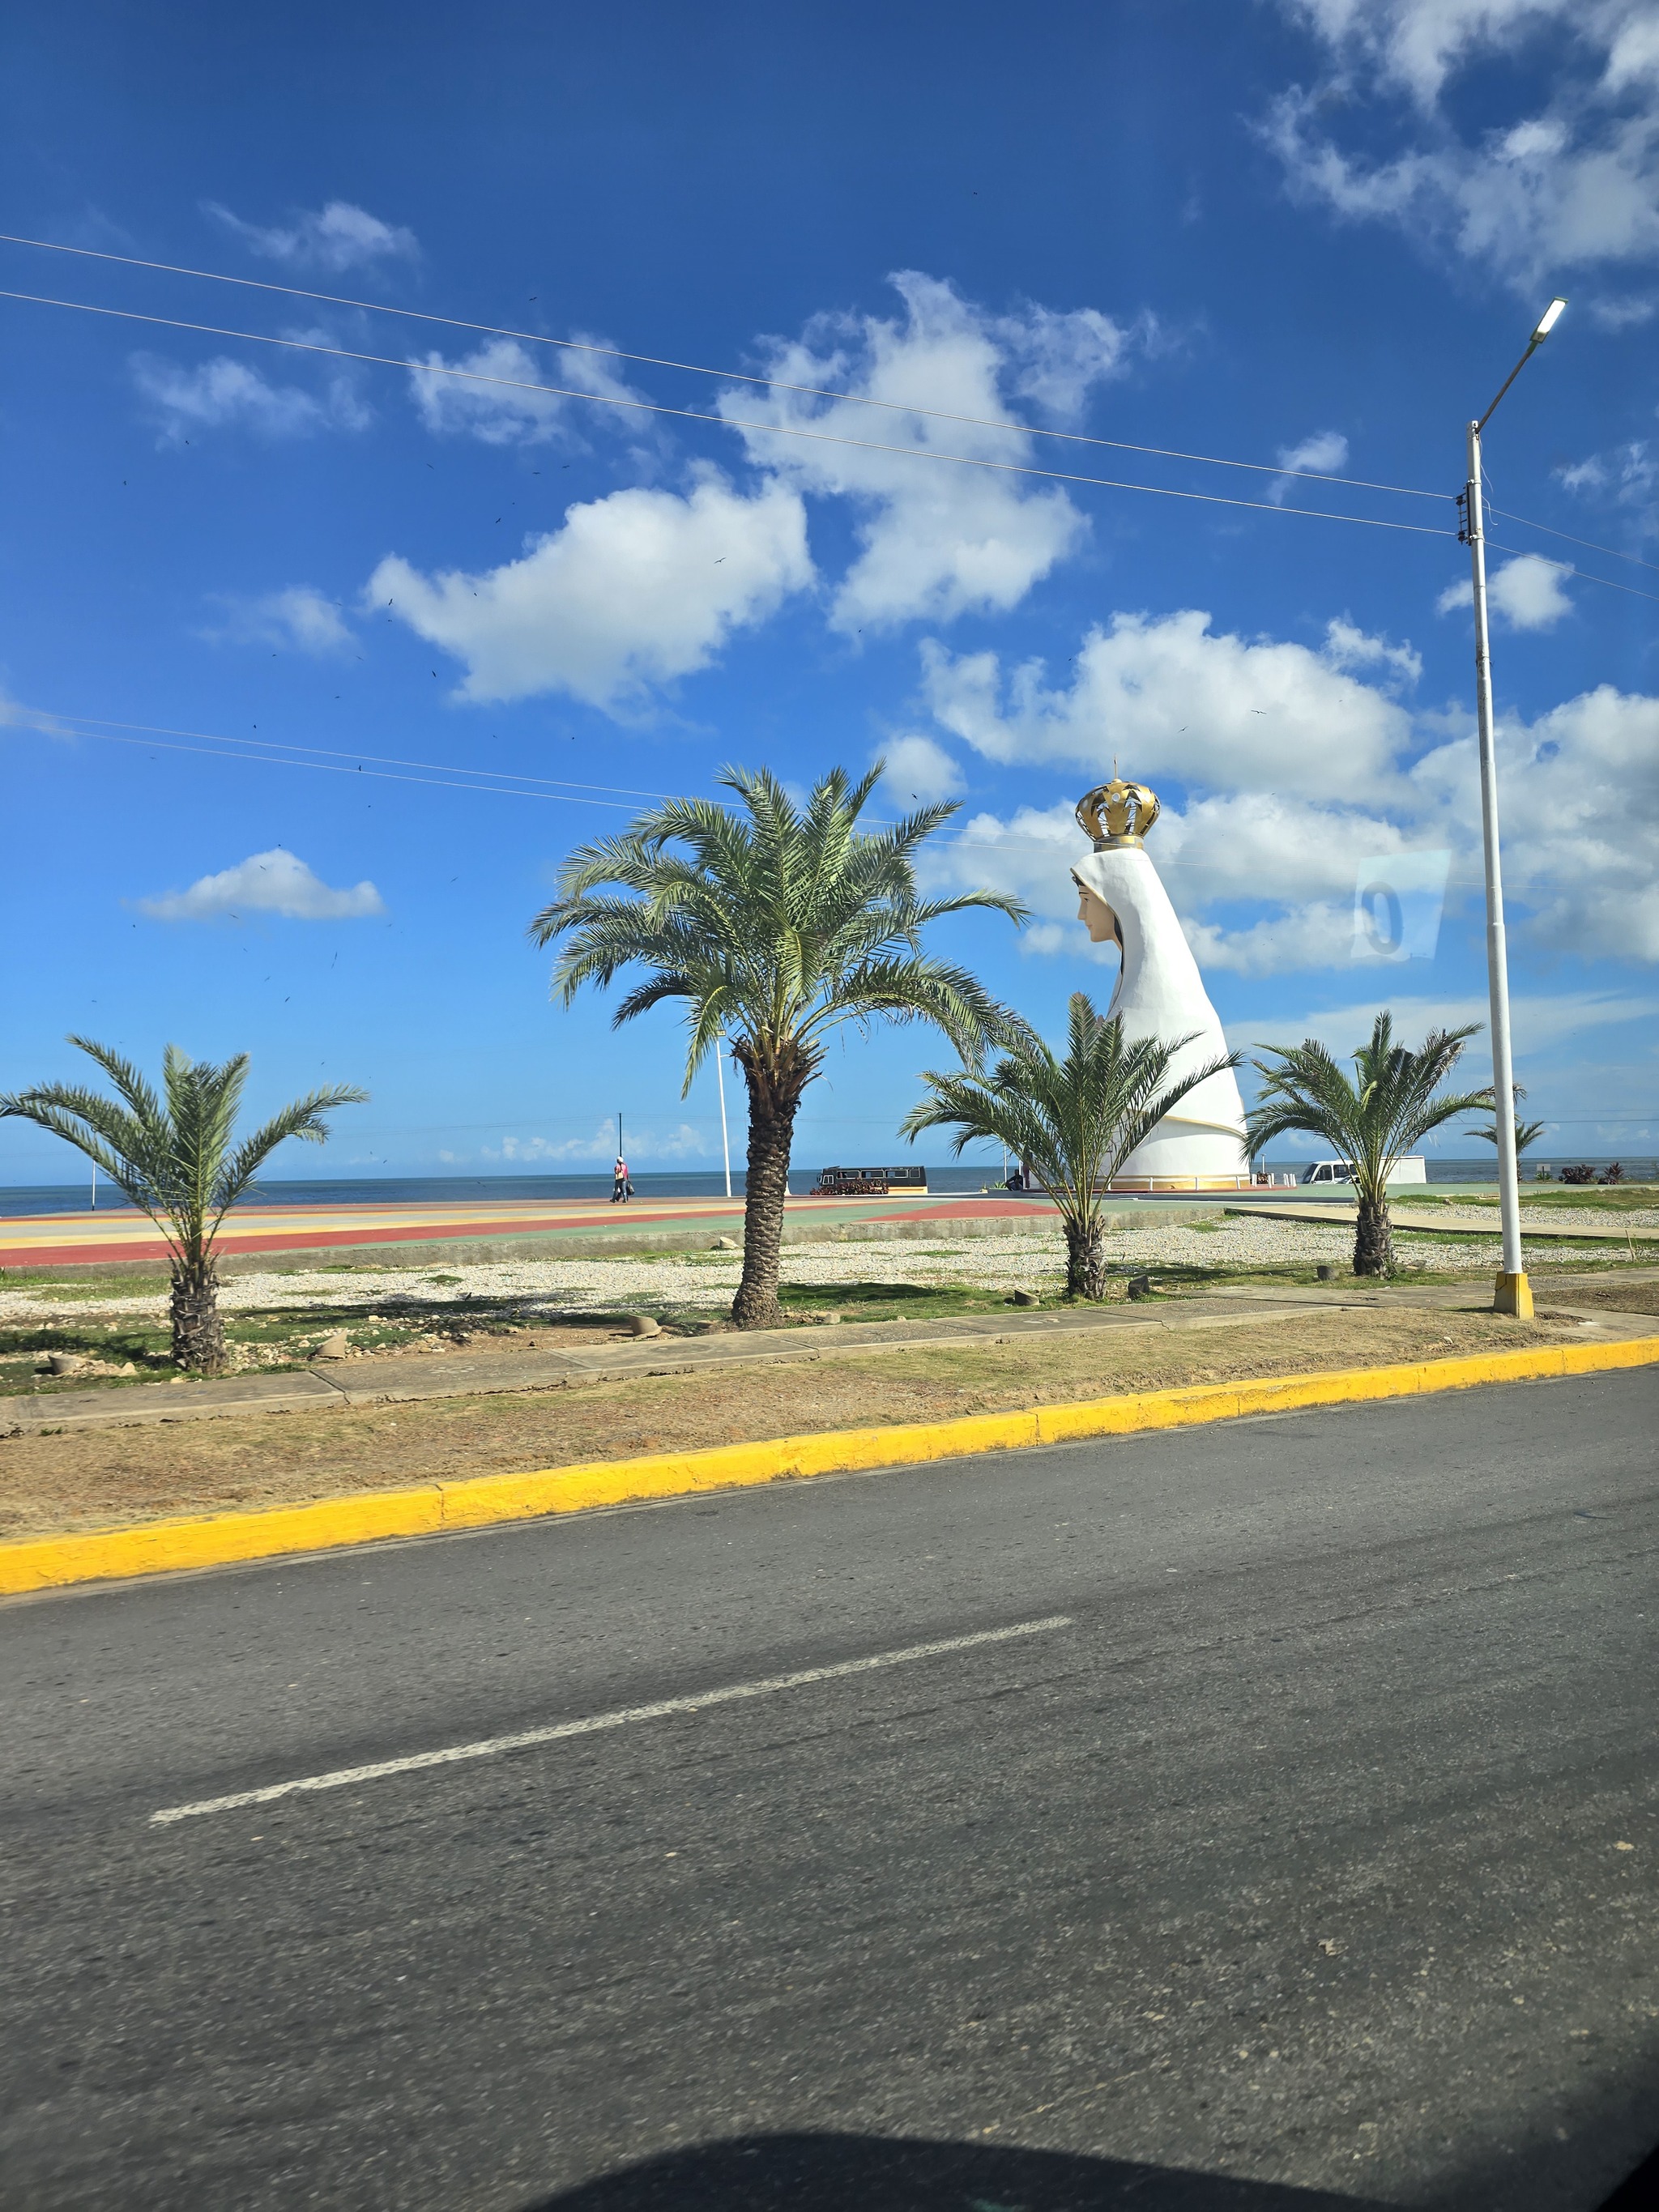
14,715
1541,1020
1285,807
937,540
633,591
1526,592
1580,796
918,769
1347,646
1573,185
1418,45
297,620
503,413
1251,851
1323,455
1628,475
1630,472
276,882
224,393
683,1142
1165,695
1030,855
335,238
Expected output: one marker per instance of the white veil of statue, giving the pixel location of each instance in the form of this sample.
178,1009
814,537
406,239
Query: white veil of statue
1159,990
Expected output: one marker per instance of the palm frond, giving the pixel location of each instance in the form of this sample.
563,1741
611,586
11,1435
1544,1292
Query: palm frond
1371,1120
773,923
1074,1120
304,1119
94,1125
170,1153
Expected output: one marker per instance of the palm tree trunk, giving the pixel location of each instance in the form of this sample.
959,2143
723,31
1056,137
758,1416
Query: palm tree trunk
1373,1238
773,1103
198,1334
1086,1261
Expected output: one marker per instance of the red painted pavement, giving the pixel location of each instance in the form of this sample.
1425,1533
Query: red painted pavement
23,1251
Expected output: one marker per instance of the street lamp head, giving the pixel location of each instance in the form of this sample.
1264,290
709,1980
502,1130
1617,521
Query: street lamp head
1548,321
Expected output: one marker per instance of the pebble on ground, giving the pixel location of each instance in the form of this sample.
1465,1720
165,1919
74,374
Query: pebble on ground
706,1280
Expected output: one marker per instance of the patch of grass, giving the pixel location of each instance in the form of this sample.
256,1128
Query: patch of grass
1610,1198
290,1332
91,1478
1194,1275
83,1283
890,1301
148,1347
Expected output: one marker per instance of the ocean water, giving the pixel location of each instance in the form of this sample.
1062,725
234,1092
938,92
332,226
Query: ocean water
457,1190
463,1190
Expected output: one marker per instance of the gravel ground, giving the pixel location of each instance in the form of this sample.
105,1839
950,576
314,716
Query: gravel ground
706,1280
1556,1216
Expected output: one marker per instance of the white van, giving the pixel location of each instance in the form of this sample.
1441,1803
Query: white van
1415,1170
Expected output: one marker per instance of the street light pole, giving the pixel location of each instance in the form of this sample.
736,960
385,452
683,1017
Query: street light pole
1513,1293
725,1142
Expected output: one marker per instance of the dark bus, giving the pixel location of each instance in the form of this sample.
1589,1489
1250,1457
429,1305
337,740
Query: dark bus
868,1183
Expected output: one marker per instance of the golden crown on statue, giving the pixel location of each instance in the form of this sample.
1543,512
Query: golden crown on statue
1117,813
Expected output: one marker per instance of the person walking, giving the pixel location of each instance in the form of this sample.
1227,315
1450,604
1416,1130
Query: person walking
621,1189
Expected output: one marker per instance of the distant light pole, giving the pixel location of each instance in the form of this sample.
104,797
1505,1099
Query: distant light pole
1514,1292
725,1142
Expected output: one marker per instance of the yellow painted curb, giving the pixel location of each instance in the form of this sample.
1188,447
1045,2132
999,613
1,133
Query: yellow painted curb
163,1547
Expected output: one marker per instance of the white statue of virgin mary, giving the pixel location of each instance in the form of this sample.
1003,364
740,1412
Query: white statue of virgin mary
1159,990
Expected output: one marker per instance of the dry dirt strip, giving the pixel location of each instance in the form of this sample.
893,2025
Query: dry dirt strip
402,1378
432,1509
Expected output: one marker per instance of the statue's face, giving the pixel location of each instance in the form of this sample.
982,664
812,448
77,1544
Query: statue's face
1096,917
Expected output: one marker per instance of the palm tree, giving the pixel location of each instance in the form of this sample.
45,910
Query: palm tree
776,925
1073,1121
1526,1133
174,1158
1371,1123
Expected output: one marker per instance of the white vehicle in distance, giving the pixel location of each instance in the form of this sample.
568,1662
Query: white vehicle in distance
1415,1170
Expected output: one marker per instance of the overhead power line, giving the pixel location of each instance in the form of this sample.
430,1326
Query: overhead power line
448,776
722,422
694,368
1571,568
559,784
1612,551
775,383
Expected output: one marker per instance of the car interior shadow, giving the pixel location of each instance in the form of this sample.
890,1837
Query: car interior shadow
874,2173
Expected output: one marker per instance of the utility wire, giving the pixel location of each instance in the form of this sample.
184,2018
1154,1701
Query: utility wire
723,422
1612,551
274,752
693,368
224,751
334,752
1568,568
774,384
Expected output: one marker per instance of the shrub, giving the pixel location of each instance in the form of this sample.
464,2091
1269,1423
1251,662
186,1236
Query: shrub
1581,1173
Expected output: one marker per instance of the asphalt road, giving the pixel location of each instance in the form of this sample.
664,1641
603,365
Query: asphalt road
1311,1863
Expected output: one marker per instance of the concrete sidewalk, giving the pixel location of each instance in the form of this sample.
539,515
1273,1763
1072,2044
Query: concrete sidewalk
392,1380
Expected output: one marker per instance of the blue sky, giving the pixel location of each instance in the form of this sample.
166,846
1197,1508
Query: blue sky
1312,232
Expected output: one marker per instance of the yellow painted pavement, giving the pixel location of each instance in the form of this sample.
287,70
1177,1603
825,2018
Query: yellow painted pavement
163,1547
